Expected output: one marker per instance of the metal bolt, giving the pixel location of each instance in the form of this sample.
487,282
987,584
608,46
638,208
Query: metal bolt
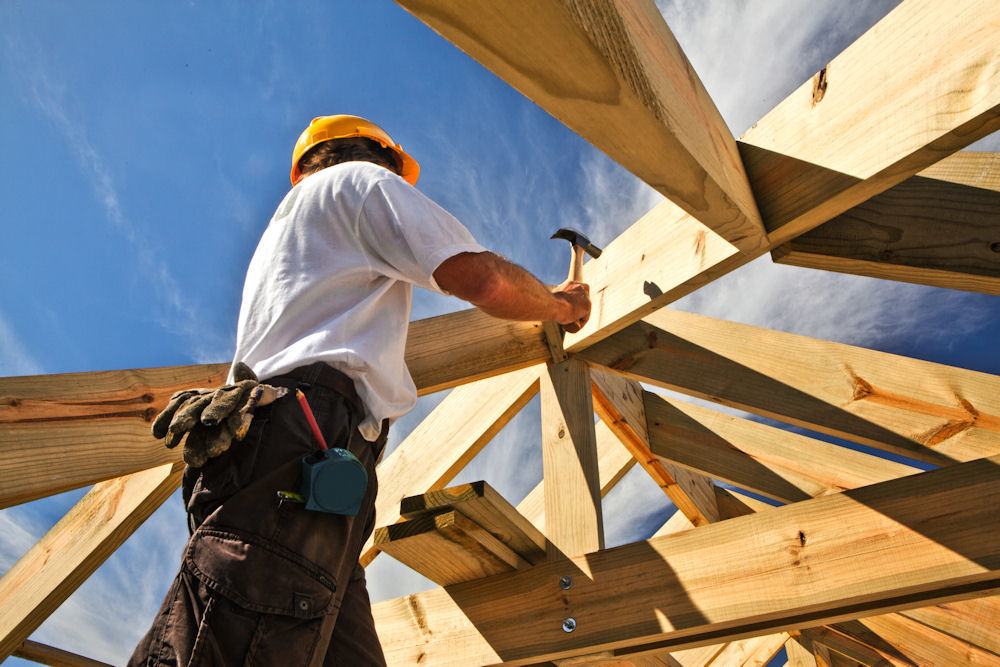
566,582
569,624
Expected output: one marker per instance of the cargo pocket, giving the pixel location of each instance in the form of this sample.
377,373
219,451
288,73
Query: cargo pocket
259,575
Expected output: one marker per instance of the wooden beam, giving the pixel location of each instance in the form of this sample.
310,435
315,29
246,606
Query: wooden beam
773,462
49,655
856,650
972,621
453,349
895,545
880,640
64,431
614,73
76,546
482,504
926,646
448,548
944,233
613,461
573,519
751,652
619,403
866,396
446,440
61,432
810,162
799,655
827,148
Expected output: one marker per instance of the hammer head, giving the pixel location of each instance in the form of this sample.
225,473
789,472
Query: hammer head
578,238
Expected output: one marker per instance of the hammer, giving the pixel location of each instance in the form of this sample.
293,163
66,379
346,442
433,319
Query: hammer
580,243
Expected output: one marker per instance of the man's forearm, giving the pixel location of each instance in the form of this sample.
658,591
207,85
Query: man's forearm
501,289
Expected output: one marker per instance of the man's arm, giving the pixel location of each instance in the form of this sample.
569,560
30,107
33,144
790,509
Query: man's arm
505,290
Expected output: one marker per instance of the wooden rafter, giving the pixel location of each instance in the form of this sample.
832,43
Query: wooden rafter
76,546
619,403
773,462
866,396
444,442
828,147
65,431
889,546
934,231
614,73
574,521
810,162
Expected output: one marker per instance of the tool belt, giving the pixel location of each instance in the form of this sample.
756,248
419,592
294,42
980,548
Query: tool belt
321,374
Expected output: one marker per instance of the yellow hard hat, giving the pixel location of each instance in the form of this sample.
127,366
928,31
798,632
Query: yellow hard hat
325,128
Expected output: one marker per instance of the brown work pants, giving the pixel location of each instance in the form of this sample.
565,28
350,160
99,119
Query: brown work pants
263,581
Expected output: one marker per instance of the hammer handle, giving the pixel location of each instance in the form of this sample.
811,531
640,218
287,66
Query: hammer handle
576,264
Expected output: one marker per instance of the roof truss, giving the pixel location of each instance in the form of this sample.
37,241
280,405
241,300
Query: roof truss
613,72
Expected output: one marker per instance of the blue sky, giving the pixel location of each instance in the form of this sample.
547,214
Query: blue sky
145,146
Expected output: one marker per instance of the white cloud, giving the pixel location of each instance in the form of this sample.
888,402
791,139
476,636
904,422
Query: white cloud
15,358
176,312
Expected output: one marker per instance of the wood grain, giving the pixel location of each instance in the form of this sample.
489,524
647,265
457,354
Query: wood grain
773,462
925,66
447,548
919,409
482,504
895,545
76,546
573,519
944,233
619,403
446,440
63,431
614,73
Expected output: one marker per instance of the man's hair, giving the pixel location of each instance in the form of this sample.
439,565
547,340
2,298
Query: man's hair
351,149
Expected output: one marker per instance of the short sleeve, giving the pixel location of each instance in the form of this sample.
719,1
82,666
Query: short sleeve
411,233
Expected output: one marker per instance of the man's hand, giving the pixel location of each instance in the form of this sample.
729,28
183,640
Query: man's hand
576,297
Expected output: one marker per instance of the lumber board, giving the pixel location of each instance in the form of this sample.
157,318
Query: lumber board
809,163
926,646
751,652
49,655
619,403
878,640
798,655
660,258
76,546
488,509
457,348
927,411
973,621
944,233
573,519
827,147
64,431
615,74
613,461
446,440
889,546
773,462
447,548
849,647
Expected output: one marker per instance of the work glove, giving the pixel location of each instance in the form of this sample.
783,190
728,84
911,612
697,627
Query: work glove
213,418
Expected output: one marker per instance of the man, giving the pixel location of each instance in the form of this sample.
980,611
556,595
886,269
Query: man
325,310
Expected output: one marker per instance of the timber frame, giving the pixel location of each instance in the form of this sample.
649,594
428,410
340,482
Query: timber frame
863,561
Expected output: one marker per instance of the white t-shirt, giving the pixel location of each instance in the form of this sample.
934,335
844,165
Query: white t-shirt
332,279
